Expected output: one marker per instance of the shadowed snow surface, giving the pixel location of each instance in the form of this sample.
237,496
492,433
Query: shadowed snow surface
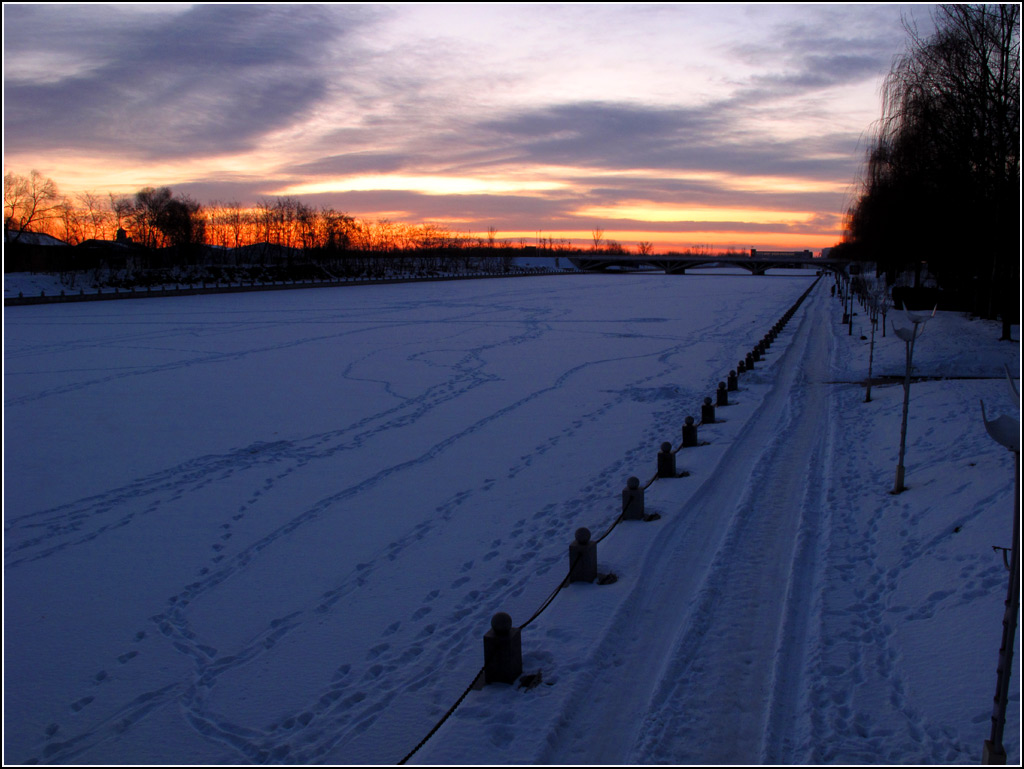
274,528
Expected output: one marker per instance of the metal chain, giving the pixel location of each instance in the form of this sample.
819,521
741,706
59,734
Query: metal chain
558,589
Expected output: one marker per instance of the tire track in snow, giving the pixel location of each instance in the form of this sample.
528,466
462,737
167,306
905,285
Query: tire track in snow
704,675
736,661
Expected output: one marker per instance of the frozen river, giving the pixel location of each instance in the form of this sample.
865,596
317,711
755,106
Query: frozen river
274,527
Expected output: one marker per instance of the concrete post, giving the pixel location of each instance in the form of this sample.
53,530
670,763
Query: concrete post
741,367
733,381
667,462
750,362
707,412
723,395
689,433
503,651
632,500
582,558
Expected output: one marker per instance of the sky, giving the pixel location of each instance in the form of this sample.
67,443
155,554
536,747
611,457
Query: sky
726,125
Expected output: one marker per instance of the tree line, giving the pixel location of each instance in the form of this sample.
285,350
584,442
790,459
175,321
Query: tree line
156,218
941,179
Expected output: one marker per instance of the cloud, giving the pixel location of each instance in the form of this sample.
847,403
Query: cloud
355,163
621,137
834,47
754,107
207,80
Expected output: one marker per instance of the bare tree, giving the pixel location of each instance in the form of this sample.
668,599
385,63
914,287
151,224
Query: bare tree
95,215
121,206
29,201
71,221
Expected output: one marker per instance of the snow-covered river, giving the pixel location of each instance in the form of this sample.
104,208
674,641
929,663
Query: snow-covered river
275,527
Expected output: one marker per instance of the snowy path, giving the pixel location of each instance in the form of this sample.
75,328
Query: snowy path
704,676
730,678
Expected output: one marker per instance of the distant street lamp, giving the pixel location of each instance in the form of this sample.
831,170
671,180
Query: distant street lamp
873,318
909,334
1005,430
849,317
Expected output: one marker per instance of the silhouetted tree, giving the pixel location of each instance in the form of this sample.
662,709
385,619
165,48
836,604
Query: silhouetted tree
158,219
29,201
942,177
95,215
121,206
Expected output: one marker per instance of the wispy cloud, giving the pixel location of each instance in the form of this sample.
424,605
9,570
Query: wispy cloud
519,115
209,80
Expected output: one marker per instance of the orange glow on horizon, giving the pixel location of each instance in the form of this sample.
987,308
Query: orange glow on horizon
74,173
692,213
681,241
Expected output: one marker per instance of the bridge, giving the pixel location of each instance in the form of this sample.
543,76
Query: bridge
757,263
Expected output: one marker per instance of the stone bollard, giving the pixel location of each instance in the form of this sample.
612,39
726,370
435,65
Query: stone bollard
503,651
689,433
750,362
723,395
582,558
667,462
632,500
741,367
707,413
755,354
733,381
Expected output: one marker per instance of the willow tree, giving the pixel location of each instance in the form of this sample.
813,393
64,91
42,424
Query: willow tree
942,177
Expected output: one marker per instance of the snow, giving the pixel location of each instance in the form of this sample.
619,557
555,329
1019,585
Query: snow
274,527
32,238
32,284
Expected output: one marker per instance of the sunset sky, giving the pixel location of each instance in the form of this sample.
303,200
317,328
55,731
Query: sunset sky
737,125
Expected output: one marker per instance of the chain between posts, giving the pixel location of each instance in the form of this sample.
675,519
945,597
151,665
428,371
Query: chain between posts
562,584
444,718
543,606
